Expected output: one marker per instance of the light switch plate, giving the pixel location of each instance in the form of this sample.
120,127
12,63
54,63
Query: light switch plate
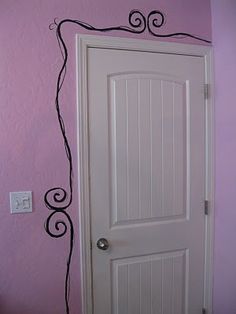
21,202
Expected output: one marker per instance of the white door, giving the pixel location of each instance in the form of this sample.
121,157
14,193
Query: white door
147,180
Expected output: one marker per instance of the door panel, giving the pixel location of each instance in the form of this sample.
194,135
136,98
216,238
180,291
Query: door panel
150,284
147,181
148,148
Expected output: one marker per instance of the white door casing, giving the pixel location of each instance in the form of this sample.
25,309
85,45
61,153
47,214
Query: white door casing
145,177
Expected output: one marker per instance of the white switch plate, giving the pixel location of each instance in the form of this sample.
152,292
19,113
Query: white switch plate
21,202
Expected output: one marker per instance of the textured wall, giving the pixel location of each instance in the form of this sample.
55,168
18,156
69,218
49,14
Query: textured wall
224,40
32,265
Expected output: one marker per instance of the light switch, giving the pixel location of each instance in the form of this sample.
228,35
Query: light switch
21,202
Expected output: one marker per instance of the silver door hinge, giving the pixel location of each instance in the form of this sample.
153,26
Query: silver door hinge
206,91
204,311
206,207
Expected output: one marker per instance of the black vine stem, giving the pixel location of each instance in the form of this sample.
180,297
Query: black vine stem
58,199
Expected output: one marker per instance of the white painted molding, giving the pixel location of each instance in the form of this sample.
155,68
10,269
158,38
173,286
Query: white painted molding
83,179
83,43
210,185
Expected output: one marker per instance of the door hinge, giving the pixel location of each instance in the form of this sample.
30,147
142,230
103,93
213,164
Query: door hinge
91,245
206,207
204,311
206,91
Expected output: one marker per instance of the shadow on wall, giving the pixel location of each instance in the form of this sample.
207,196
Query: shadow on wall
14,308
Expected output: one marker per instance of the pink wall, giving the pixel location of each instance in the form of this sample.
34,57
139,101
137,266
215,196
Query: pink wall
224,40
32,264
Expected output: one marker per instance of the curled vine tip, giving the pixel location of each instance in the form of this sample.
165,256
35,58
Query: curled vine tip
57,199
55,226
156,19
54,24
137,20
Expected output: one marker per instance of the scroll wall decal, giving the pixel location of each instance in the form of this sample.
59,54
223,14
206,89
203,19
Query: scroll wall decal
57,199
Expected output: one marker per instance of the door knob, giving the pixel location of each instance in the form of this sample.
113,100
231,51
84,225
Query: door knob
102,244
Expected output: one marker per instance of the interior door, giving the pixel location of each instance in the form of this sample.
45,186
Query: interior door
147,180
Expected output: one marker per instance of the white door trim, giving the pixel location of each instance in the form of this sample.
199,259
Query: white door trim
83,43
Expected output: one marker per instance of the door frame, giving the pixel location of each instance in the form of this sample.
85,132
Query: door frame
83,42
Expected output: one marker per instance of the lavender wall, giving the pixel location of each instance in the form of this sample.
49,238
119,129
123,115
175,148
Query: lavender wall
224,40
32,265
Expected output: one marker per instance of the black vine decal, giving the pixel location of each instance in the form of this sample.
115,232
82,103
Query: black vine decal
156,19
58,199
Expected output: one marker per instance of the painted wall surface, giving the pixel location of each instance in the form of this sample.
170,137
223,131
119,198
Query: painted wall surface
224,40
32,265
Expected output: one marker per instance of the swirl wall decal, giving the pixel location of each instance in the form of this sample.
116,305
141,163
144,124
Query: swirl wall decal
156,19
57,199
